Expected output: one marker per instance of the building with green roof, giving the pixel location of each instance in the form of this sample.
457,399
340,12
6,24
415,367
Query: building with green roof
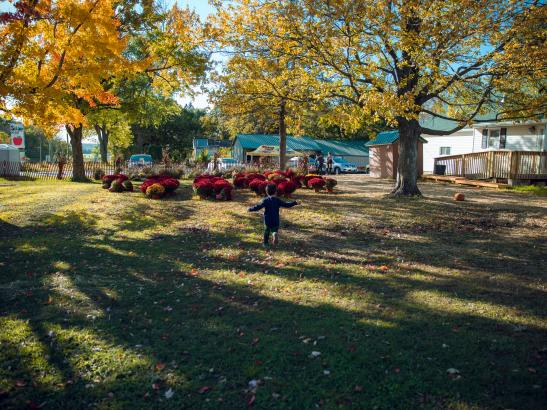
353,151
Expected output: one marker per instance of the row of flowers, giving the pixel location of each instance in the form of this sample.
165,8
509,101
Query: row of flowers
154,188
286,181
211,187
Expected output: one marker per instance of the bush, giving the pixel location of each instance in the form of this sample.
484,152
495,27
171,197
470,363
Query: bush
316,183
127,186
203,188
155,191
307,179
330,183
98,174
116,186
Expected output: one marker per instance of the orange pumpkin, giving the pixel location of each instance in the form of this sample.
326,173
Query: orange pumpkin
459,196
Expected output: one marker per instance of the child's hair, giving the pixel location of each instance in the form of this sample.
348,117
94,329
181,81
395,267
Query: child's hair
271,189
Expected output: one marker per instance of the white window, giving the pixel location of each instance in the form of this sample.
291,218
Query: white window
444,151
494,138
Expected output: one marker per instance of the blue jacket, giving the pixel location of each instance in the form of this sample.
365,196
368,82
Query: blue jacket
271,205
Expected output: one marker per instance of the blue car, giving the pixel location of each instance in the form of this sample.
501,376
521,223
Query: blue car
140,160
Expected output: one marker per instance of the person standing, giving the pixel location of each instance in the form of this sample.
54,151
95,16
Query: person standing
330,160
320,163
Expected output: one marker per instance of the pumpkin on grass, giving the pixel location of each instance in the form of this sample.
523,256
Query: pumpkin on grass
459,196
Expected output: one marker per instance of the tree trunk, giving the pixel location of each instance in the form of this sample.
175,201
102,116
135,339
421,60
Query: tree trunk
102,135
407,168
78,168
282,136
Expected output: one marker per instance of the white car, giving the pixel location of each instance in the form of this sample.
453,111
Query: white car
340,165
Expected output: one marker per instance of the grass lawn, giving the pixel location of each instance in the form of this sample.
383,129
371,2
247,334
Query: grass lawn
115,301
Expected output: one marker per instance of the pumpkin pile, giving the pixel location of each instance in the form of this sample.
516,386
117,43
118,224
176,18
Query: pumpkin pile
117,183
210,187
159,186
287,182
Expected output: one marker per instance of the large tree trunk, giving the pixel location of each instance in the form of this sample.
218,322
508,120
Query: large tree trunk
78,169
407,168
282,136
102,135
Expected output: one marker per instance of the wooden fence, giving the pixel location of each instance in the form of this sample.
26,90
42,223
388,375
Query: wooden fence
50,170
510,165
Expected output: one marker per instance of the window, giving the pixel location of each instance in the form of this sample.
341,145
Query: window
494,138
444,151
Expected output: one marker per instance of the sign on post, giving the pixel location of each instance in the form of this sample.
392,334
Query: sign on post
17,131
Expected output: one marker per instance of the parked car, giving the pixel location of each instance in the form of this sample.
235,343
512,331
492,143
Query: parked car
340,165
224,164
140,160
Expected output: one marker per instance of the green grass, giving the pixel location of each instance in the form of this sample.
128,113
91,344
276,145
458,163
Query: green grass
532,189
109,300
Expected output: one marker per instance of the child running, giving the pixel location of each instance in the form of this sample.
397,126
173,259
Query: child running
271,205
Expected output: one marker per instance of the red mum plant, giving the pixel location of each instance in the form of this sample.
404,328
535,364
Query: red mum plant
330,183
289,173
286,188
252,176
108,179
307,179
169,184
223,189
316,183
204,188
240,181
258,186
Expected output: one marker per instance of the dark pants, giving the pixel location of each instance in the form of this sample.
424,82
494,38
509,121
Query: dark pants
267,231
329,168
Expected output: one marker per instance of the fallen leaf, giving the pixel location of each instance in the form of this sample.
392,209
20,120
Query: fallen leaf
383,268
156,386
160,366
255,341
314,354
20,383
169,393
358,388
49,301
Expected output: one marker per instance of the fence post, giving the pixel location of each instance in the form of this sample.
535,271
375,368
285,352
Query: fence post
514,159
463,165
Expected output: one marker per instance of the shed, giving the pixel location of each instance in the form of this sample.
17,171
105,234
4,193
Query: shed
354,151
384,155
10,160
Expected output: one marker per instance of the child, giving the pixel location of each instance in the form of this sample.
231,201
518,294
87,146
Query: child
271,205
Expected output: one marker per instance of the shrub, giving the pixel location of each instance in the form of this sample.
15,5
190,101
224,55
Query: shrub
307,179
241,182
258,186
116,186
204,188
316,183
155,191
98,174
330,183
286,188
127,186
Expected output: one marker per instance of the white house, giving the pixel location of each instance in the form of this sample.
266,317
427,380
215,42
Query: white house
503,135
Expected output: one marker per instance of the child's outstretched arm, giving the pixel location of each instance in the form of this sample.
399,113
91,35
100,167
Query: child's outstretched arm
257,207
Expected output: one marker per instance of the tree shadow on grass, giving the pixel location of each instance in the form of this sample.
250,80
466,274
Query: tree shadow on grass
131,319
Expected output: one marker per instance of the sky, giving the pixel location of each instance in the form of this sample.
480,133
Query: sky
202,7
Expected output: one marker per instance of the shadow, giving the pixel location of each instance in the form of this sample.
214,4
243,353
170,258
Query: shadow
118,320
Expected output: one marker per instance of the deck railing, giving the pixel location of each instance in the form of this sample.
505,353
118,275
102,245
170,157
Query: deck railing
512,165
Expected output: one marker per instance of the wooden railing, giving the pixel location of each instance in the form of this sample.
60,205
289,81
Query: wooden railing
496,164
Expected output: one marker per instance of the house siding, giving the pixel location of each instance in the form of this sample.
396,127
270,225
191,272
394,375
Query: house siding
519,138
460,142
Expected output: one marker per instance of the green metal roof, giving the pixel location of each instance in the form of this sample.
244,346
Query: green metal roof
383,138
253,141
386,138
337,147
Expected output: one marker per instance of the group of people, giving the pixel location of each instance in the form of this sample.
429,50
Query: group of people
322,165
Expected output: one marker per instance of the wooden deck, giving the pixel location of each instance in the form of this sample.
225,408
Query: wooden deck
463,181
512,166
